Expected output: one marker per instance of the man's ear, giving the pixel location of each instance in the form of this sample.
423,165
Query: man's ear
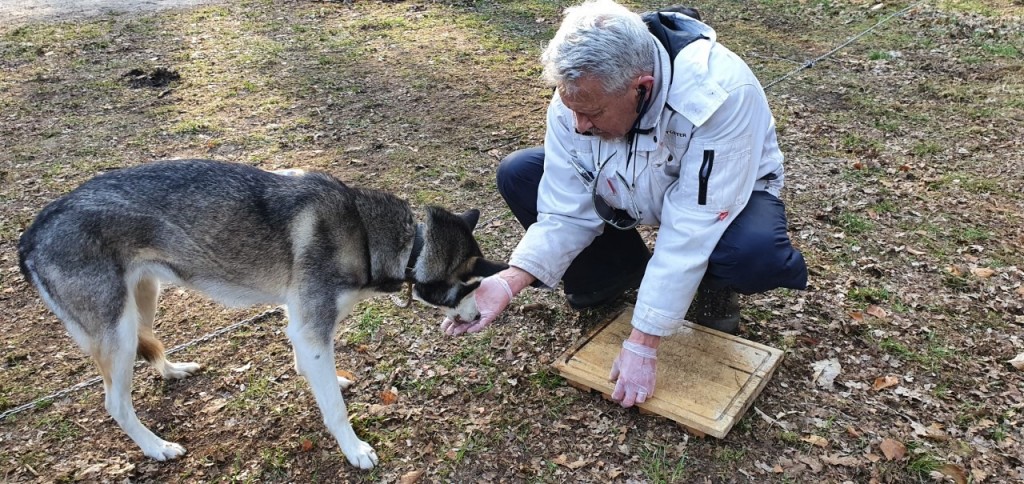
471,217
483,267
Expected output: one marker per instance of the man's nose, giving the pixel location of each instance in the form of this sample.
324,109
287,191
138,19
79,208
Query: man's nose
583,123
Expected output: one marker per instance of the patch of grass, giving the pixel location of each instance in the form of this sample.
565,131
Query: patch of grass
790,438
59,428
922,463
258,389
729,455
896,348
274,463
853,143
659,467
879,55
363,329
546,379
853,223
873,295
191,126
926,148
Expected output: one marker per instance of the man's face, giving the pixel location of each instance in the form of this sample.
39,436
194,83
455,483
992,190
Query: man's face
608,115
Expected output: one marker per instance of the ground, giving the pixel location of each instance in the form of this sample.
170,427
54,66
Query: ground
904,153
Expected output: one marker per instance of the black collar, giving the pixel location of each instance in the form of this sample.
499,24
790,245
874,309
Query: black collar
417,247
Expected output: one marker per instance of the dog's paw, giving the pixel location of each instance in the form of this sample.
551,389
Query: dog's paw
343,382
361,455
164,450
177,371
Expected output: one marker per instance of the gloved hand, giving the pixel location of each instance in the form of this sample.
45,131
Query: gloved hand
492,297
634,372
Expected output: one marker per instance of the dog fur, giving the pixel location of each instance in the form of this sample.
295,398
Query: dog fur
242,236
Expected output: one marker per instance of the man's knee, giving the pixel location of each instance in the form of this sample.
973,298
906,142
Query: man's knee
755,254
519,168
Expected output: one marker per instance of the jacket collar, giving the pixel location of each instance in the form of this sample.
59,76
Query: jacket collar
692,92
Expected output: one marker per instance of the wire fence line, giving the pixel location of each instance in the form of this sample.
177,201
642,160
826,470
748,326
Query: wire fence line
812,62
265,314
94,380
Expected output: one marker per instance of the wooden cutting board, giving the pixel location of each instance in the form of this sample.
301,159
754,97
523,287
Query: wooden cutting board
706,379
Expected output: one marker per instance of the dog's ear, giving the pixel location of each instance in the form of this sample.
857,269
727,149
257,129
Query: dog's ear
471,217
483,267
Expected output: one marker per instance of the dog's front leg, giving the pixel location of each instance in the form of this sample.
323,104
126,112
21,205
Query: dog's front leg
312,333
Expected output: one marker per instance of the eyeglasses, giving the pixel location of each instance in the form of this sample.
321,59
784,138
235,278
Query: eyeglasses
616,217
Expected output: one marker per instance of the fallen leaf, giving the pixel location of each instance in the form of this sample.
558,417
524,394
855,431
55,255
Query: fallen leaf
214,406
387,397
825,373
1018,362
955,472
837,460
306,445
877,312
856,316
983,272
883,382
816,440
410,477
893,449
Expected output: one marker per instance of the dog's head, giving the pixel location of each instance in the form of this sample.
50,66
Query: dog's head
449,265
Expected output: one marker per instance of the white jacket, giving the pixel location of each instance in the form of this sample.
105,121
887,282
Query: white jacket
714,103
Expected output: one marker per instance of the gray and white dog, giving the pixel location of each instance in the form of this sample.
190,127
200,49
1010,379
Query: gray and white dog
242,236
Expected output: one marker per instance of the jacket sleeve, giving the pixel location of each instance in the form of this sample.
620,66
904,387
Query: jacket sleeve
717,175
566,221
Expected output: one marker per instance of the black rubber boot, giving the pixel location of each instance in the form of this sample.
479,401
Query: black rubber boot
716,309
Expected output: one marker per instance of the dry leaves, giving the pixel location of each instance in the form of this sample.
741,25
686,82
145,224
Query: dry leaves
877,312
893,449
825,373
884,382
387,397
816,440
954,472
411,477
983,272
1018,362
562,460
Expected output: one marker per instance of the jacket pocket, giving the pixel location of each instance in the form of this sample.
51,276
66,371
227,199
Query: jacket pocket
715,176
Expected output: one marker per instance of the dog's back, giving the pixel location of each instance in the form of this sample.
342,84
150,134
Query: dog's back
232,231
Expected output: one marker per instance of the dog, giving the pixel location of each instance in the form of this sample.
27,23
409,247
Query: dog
242,236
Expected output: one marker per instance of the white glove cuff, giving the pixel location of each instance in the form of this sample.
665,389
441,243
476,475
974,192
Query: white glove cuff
639,349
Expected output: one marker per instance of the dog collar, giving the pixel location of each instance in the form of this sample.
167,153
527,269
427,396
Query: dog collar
417,247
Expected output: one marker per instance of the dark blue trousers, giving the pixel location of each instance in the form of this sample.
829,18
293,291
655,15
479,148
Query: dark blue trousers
754,254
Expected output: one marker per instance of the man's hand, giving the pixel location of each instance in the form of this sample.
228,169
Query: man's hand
634,373
492,297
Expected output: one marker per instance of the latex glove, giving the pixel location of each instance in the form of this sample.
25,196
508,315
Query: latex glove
492,297
634,372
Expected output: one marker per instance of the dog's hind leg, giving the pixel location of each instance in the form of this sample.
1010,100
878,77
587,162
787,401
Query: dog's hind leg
311,331
114,353
147,291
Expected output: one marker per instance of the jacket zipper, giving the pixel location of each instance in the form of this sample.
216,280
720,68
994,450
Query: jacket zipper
703,175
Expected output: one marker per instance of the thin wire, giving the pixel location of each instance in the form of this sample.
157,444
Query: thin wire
94,380
853,39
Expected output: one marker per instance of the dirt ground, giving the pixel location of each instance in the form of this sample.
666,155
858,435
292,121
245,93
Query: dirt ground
19,12
904,154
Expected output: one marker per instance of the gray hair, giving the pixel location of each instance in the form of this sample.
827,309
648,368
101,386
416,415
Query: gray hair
599,39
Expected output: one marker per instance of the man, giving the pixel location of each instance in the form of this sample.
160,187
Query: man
655,123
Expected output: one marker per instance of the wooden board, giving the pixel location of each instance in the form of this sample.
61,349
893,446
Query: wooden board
706,379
